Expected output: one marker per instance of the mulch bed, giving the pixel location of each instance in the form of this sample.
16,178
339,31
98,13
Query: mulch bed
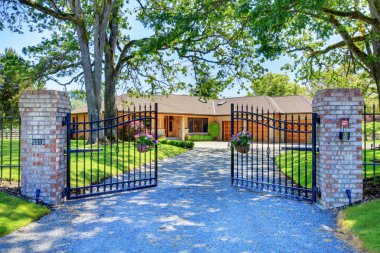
372,190
15,191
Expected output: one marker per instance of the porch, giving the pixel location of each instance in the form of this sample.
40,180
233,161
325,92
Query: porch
180,126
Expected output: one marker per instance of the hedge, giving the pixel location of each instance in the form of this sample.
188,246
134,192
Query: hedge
181,144
200,137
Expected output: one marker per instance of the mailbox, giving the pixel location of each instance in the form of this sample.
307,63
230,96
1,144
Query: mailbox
344,124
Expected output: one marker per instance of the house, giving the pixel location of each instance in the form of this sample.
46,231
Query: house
182,115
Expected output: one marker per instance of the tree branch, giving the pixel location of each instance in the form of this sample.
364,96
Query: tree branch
74,79
351,14
348,40
123,54
55,7
339,45
56,14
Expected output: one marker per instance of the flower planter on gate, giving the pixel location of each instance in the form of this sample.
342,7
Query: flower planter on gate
242,149
143,148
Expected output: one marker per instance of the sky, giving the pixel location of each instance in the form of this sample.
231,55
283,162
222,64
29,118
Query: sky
19,41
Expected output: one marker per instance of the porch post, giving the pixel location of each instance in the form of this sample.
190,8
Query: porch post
182,131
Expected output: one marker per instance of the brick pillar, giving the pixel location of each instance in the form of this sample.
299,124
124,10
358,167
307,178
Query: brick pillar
42,144
339,163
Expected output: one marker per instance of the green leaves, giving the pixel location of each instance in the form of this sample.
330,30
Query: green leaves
16,75
319,35
275,85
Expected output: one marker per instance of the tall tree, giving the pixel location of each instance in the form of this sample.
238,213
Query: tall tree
91,41
338,78
319,34
77,99
16,75
272,84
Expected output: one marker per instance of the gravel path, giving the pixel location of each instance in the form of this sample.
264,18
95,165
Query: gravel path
192,210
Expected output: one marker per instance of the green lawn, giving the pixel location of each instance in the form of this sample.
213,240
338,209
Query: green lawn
16,213
302,162
122,161
363,222
126,158
8,157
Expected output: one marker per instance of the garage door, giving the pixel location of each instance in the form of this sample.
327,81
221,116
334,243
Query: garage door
259,132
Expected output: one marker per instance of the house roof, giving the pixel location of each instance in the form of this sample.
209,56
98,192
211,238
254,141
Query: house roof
183,104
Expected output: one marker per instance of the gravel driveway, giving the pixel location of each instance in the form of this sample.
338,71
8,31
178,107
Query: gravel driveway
193,209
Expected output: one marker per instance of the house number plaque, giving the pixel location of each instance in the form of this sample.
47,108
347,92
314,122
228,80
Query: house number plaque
38,142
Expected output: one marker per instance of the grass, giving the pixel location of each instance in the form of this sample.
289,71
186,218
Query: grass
16,213
9,155
110,162
304,160
363,222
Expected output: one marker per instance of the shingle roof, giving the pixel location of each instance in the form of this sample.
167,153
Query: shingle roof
183,104
293,104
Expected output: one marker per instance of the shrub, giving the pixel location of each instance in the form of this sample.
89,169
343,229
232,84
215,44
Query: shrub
162,139
213,130
177,143
128,131
199,137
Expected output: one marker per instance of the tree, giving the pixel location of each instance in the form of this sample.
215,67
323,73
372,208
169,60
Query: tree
319,35
338,78
16,75
272,84
77,98
208,88
91,42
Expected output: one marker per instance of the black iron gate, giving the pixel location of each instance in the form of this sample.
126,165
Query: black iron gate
282,156
10,150
371,149
103,156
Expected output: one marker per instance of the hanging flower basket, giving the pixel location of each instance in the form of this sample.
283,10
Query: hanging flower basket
143,148
242,148
241,141
144,141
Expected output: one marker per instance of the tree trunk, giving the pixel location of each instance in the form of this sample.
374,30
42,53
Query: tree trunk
374,7
110,110
93,98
